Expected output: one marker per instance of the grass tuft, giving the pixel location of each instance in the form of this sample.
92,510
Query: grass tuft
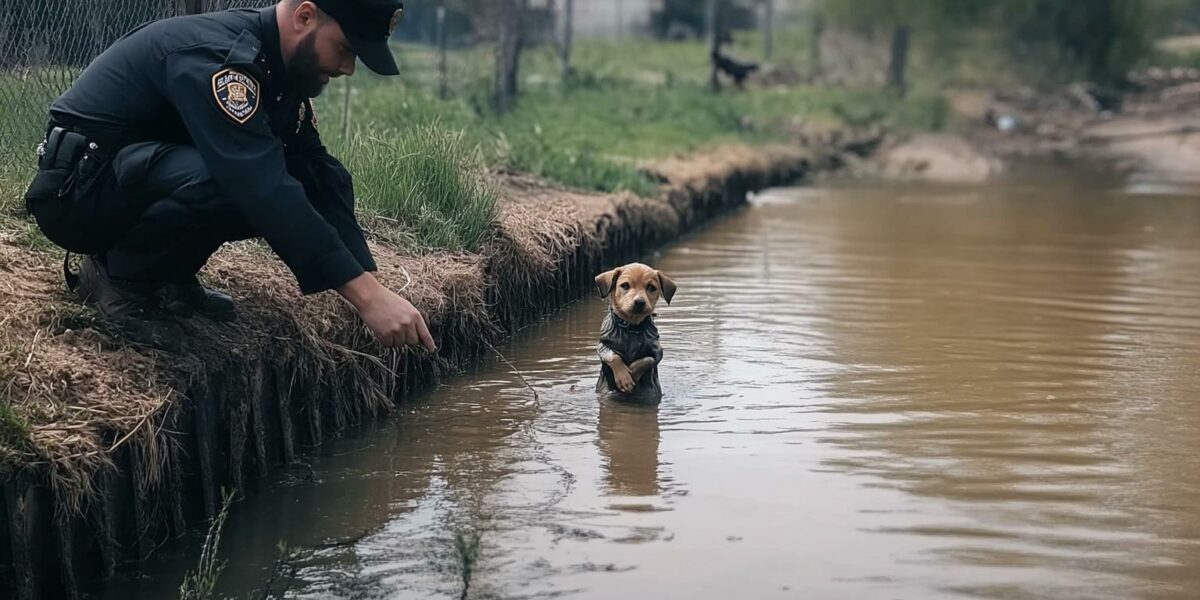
426,179
467,549
201,583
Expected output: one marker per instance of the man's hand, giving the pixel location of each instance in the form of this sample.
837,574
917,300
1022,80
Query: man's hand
393,320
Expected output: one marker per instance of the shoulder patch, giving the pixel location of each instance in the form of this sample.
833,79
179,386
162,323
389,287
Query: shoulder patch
236,94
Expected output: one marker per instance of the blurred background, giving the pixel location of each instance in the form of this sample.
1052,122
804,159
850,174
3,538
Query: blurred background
585,92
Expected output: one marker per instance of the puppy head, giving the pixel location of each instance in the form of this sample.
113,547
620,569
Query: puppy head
634,289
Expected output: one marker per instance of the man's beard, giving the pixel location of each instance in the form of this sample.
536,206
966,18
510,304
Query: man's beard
305,70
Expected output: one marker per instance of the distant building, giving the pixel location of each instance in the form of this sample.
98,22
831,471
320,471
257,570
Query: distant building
631,18
611,18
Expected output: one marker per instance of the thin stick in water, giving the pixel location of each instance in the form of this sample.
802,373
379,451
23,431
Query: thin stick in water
536,398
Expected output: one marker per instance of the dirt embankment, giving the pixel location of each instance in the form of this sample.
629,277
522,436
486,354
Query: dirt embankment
1153,130
107,449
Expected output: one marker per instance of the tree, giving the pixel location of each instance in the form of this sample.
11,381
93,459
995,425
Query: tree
899,16
712,29
502,22
1104,38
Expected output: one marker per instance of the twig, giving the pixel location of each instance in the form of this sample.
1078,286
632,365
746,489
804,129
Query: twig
32,346
135,429
536,398
407,277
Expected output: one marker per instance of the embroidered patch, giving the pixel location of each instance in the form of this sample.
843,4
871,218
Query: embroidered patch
312,114
236,94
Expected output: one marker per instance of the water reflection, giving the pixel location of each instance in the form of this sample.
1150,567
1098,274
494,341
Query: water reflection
868,392
628,441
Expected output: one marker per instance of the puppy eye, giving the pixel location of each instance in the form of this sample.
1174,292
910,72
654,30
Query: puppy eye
625,285
651,288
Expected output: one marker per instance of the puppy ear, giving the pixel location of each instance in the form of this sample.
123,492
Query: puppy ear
606,280
668,286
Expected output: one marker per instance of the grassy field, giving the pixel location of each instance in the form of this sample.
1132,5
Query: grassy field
417,159
630,101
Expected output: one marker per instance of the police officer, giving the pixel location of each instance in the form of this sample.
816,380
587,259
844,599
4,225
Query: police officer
197,130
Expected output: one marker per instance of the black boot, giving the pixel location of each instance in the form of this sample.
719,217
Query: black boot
131,306
185,299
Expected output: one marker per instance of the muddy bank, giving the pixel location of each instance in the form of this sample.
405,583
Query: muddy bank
1151,129
940,158
109,451
1148,128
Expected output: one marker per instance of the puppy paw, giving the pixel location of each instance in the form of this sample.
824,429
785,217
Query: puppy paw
624,380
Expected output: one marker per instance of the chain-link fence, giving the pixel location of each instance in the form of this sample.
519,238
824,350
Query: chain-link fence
44,44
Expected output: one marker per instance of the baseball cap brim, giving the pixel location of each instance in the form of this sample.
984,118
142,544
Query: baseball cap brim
375,54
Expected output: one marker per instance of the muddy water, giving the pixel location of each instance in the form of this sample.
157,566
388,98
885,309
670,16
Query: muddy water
872,392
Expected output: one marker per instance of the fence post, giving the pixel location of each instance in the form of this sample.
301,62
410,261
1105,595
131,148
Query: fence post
510,24
899,59
710,22
768,26
189,7
816,30
568,30
620,20
441,42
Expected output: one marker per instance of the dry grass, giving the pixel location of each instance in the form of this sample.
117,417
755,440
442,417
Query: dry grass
75,392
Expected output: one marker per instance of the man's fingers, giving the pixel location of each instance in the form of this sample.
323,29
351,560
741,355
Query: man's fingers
423,333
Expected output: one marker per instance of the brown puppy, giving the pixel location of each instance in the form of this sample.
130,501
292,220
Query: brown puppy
629,348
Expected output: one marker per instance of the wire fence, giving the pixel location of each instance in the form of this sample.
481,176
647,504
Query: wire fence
45,44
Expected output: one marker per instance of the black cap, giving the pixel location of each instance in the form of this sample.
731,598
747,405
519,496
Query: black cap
367,24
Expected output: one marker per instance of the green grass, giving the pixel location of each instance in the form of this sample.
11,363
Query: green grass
14,430
416,159
627,102
467,549
427,179
201,582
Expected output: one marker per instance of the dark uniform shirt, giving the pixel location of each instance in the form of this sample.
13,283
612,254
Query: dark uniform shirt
217,82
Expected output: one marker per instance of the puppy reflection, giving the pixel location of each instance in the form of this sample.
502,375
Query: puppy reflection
629,444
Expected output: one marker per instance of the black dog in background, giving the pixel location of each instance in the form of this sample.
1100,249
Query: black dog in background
738,71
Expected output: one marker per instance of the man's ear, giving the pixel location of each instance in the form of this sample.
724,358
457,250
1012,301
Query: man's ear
606,280
305,15
668,286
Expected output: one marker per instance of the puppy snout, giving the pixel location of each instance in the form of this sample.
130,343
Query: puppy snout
639,304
